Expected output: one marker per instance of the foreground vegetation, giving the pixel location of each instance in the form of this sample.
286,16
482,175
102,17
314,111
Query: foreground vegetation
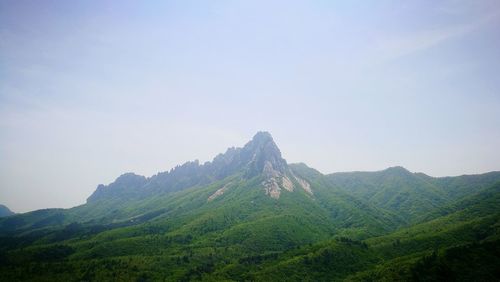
262,241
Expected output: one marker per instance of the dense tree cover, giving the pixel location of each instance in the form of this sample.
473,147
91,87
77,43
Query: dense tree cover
376,226
246,235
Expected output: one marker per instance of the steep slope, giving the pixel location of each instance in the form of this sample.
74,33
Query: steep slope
5,211
117,201
260,155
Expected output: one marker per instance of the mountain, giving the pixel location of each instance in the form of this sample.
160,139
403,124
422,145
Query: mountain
394,189
4,211
410,195
260,156
249,215
462,245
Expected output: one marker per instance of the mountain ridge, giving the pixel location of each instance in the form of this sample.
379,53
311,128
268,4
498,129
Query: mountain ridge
5,211
249,215
260,156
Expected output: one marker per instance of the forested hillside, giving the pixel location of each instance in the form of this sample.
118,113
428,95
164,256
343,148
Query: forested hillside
248,215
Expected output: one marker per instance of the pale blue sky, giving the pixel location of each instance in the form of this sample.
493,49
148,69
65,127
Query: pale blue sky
92,89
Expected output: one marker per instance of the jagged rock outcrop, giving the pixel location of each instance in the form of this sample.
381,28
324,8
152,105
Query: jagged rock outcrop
262,152
219,192
260,157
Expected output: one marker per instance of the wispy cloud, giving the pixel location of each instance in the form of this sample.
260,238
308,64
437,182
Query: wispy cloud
396,46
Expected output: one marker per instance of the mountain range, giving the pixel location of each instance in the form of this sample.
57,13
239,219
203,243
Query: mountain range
249,215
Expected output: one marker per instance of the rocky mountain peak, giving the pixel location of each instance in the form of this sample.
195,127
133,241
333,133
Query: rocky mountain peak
263,137
259,157
263,154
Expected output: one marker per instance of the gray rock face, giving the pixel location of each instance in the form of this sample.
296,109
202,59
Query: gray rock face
259,157
262,152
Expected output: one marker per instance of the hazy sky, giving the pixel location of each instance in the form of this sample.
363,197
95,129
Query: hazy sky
92,89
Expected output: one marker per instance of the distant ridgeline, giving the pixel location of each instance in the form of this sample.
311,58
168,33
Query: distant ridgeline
5,211
248,215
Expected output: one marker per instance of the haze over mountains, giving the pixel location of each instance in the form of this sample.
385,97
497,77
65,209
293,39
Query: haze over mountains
249,215
260,156
5,211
